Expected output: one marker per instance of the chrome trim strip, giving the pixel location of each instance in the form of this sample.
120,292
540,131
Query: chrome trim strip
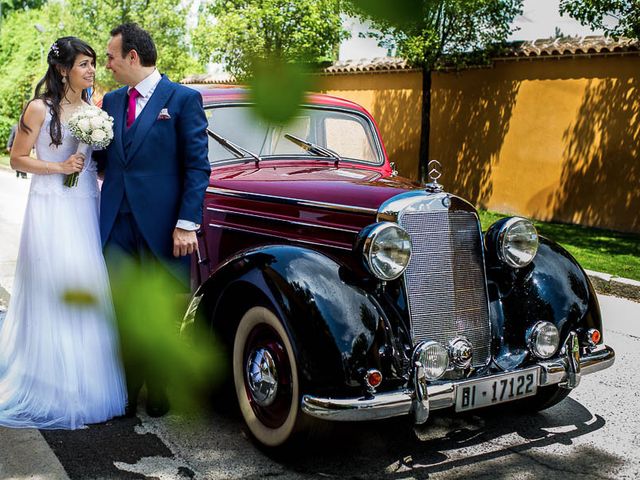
383,405
391,209
392,404
284,220
260,197
308,242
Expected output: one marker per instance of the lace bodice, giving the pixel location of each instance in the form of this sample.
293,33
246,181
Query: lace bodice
53,184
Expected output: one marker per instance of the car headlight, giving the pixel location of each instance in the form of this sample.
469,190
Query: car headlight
515,241
543,339
386,250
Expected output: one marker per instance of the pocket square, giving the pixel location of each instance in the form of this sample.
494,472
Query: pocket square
164,114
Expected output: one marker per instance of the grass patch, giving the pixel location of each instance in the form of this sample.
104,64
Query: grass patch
4,160
595,249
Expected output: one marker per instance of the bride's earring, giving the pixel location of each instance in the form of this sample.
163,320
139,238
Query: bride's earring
64,79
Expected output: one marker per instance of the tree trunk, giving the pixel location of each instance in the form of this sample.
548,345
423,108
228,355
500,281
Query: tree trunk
425,126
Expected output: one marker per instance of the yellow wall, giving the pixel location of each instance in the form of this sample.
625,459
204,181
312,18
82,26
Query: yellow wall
551,139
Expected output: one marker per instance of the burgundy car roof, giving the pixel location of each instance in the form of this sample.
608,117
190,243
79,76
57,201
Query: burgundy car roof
232,93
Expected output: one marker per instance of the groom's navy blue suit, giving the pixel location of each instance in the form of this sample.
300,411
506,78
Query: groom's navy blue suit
157,171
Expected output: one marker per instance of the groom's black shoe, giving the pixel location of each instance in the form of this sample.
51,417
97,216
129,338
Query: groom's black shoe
157,404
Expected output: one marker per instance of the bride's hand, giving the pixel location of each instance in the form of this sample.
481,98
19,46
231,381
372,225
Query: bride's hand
73,164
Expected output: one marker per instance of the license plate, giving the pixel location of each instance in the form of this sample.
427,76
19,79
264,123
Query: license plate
496,389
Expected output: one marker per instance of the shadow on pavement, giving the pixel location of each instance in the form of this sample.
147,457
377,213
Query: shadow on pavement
491,445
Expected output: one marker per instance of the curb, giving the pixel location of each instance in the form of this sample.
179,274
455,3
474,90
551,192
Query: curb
617,286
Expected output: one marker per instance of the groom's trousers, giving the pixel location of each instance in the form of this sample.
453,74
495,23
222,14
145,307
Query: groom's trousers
126,252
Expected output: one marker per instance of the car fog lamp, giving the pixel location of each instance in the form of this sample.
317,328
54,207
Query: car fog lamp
387,251
593,336
517,242
435,360
543,339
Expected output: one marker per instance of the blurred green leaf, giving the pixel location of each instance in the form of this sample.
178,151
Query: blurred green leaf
277,89
79,298
149,310
398,13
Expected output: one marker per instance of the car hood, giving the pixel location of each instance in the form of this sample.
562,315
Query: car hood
356,187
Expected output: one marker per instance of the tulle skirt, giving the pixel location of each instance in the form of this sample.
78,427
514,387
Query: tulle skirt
59,359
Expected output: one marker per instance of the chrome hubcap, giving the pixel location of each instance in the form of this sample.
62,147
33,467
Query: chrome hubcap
262,377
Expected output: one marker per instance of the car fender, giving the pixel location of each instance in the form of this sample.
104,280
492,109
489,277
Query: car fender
553,287
332,323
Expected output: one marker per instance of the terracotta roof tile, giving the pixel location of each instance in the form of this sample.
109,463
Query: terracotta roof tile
209,78
542,48
378,64
591,45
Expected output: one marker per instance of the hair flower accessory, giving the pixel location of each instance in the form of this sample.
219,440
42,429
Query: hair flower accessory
55,50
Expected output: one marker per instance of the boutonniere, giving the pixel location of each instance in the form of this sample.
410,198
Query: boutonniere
164,114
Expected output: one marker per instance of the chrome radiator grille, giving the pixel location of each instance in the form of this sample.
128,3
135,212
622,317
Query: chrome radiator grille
445,280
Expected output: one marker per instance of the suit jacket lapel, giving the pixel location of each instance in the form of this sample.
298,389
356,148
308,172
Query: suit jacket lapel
118,112
149,114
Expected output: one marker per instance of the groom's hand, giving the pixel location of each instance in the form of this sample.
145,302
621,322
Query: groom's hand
184,242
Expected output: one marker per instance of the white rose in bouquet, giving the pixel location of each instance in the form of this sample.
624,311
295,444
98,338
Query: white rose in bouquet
98,135
93,127
84,124
96,122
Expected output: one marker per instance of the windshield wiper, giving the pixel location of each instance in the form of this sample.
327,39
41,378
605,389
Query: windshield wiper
237,150
313,148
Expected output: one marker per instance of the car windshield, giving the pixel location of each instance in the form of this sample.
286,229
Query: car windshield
348,134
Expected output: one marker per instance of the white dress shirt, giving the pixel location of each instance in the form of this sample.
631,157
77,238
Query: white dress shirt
146,88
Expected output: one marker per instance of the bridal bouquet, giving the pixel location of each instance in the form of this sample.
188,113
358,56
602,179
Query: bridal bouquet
93,127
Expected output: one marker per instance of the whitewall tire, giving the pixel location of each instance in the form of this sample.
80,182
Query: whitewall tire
265,377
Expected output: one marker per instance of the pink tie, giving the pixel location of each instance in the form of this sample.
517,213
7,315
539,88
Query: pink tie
131,108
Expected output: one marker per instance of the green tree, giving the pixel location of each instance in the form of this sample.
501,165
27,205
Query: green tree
23,53
432,34
24,48
595,13
238,33
165,20
8,6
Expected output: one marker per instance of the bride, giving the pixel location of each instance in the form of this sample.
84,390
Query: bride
59,361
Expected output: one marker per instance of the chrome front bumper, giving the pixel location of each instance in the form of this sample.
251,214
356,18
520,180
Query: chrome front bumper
565,371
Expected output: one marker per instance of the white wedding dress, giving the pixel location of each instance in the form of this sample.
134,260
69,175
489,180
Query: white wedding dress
59,360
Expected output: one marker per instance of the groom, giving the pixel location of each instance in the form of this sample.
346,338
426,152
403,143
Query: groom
156,172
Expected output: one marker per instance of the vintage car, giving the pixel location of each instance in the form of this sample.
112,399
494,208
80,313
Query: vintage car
347,293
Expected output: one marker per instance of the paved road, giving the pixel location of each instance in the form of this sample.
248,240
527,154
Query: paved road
13,200
595,433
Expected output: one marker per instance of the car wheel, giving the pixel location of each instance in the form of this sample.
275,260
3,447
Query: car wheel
265,376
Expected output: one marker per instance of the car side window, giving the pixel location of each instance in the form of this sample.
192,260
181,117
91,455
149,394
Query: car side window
348,137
